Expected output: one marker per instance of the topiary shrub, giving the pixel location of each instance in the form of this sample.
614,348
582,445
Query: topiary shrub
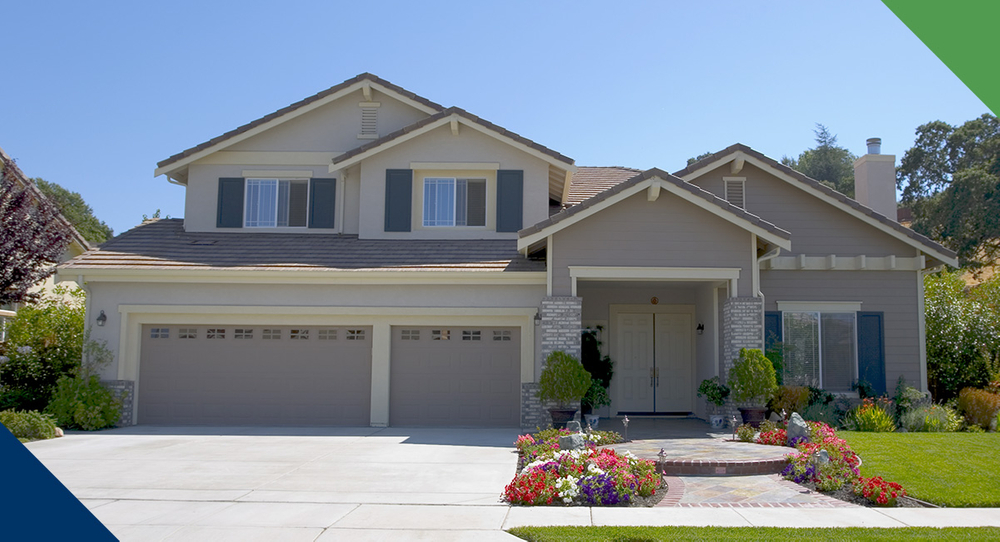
563,380
931,419
979,407
752,377
28,424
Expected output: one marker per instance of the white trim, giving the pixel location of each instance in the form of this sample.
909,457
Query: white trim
832,262
548,266
271,158
819,306
492,166
824,197
441,122
381,319
180,164
288,174
588,272
304,276
768,236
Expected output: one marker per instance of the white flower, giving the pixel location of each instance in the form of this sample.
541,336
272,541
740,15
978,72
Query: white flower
4,359
24,349
594,470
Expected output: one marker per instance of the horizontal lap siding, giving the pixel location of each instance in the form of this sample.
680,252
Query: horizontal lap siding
891,292
817,227
669,232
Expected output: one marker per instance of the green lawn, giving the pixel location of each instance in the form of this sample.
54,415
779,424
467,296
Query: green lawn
948,469
644,534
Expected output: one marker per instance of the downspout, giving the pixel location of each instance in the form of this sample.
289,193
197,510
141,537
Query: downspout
770,255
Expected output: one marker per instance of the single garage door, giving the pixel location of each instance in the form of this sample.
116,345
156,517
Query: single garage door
255,375
455,376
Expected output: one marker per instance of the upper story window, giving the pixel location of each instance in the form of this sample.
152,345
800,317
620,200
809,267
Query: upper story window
274,203
454,202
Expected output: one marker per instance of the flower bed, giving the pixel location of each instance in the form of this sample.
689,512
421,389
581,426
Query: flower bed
546,442
587,477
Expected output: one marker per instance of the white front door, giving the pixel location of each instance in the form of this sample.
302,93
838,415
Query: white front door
655,366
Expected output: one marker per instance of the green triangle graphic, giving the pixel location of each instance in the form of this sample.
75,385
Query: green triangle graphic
964,35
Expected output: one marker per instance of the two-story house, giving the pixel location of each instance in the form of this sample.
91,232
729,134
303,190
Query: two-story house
368,257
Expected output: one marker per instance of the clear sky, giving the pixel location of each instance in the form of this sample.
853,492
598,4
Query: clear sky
96,92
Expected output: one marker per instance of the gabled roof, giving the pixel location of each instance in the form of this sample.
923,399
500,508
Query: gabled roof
590,181
163,245
822,192
427,124
702,198
75,236
279,115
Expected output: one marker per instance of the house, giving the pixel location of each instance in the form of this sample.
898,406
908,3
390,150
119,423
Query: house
77,244
368,257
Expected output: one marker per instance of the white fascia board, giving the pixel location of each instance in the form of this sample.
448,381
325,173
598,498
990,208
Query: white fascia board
828,199
673,189
226,276
412,103
654,273
522,147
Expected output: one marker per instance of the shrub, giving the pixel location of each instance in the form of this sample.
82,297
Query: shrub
746,433
84,403
768,425
714,391
44,342
563,380
752,377
931,419
907,398
980,407
790,399
28,424
827,414
871,416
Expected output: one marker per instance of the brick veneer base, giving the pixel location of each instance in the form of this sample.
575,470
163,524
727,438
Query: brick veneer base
124,391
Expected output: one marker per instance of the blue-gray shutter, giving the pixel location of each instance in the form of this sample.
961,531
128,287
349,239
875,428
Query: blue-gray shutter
871,350
510,199
230,213
322,203
398,198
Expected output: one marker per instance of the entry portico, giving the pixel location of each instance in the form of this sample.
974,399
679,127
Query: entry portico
668,272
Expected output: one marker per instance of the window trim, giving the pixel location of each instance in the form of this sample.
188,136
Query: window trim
278,180
454,184
819,309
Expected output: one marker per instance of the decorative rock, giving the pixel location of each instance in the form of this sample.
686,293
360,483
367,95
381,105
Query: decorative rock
797,428
59,432
821,458
775,417
571,442
573,426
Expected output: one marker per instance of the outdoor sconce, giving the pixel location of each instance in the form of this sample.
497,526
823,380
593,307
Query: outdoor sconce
701,329
101,319
538,319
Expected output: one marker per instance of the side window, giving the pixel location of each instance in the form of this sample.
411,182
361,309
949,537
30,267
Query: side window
454,202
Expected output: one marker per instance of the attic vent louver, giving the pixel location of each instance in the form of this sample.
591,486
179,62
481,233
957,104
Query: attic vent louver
369,120
736,192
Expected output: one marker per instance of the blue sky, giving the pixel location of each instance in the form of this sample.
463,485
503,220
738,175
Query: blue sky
97,93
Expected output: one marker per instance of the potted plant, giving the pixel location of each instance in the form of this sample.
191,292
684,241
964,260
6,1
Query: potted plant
596,396
564,381
753,381
715,394
601,369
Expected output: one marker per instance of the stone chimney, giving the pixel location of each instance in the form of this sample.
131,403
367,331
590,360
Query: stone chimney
875,180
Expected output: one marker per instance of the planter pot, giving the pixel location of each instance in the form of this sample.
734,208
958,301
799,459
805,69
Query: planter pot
592,420
717,421
753,415
560,416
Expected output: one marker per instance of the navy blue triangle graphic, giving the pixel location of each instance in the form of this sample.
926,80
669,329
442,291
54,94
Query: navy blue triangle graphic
34,505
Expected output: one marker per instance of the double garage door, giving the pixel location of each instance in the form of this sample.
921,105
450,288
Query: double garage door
281,375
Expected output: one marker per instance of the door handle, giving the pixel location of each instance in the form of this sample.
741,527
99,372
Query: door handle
657,371
652,376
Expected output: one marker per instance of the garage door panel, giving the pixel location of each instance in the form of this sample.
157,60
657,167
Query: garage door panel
260,378
454,382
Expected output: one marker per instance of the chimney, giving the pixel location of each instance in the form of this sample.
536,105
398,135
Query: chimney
875,180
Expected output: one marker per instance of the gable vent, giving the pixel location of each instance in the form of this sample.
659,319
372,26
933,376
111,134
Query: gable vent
369,122
736,192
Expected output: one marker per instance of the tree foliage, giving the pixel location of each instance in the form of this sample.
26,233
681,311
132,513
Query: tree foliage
76,211
951,180
699,158
828,163
32,237
963,333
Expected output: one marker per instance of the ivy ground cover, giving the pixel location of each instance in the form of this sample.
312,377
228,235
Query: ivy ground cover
947,469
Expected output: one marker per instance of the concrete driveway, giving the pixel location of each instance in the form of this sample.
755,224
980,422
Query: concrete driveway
246,484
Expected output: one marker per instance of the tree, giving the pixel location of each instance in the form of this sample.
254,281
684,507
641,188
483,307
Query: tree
951,180
32,236
827,163
699,158
76,211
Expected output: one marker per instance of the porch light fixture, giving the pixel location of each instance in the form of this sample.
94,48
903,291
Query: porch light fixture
538,319
701,329
102,319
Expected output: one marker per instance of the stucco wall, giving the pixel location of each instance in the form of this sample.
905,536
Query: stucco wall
817,227
668,232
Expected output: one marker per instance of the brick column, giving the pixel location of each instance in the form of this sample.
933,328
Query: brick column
742,327
560,329
124,391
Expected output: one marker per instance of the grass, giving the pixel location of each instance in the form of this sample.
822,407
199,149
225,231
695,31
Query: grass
643,534
947,469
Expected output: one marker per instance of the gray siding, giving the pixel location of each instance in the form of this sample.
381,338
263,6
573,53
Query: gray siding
891,292
817,228
668,232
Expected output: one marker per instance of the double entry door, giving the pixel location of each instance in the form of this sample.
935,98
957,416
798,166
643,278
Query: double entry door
655,365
